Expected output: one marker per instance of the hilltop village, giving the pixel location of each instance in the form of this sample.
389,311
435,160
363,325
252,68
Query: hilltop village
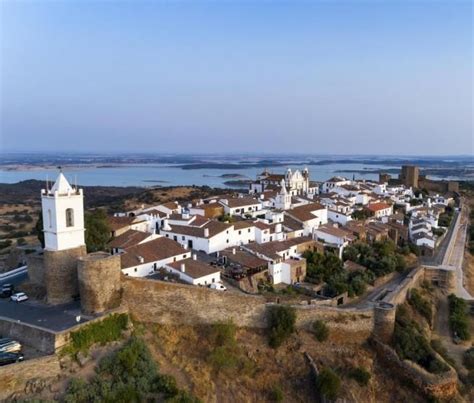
336,264
260,238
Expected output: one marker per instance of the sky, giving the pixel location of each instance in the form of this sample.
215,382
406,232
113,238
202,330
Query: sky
323,77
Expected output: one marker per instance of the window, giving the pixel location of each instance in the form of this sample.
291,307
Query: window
135,269
183,237
69,217
50,221
240,232
249,230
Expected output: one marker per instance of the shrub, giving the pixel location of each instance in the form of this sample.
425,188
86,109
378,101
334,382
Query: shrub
281,324
128,375
410,344
468,359
458,317
320,330
223,357
360,375
328,383
422,305
102,332
222,333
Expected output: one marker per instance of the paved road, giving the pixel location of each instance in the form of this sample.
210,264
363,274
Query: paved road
377,293
56,318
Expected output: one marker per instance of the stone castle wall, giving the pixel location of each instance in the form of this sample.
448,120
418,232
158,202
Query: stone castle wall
174,304
36,269
60,275
16,378
441,386
99,277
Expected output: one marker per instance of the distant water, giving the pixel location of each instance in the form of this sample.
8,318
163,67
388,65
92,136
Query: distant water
168,175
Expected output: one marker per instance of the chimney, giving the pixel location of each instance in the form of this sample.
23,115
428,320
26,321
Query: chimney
194,256
233,251
166,226
206,232
141,259
183,267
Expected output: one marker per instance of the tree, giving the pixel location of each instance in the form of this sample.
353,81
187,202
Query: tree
97,230
281,320
39,229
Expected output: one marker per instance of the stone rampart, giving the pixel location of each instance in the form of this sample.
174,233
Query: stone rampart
172,304
440,386
19,378
35,336
36,268
99,277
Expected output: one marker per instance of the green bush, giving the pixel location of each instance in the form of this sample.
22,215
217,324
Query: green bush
422,305
128,375
458,317
222,333
223,357
281,320
468,359
320,330
410,343
360,375
328,383
103,332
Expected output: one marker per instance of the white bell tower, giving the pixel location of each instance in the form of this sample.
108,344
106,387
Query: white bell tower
63,216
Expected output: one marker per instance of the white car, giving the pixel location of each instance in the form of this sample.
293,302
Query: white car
218,287
19,297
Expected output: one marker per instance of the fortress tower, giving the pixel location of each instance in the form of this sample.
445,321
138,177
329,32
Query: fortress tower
63,227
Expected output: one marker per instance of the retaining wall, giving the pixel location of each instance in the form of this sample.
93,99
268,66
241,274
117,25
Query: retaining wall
17,378
441,386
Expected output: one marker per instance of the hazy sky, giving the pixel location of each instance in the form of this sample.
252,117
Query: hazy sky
388,77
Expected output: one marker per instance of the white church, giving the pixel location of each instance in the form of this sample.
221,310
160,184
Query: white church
63,216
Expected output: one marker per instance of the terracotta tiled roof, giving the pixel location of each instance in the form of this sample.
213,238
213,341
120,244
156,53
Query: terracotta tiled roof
378,206
194,268
271,249
158,249
241,202
116,223
244,258
304,213
215,227
128,239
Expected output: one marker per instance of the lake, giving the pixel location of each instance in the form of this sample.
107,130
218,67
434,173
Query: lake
169,175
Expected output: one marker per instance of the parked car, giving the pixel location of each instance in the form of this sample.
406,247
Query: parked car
218,286
8,345
6,290
19,297
10,358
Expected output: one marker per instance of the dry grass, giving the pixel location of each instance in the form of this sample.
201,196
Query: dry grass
183,352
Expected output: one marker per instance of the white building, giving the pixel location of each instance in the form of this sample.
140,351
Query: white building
241,205
146,258
63,215
311,216
380,209
194,271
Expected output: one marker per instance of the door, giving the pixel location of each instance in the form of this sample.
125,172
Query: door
190,244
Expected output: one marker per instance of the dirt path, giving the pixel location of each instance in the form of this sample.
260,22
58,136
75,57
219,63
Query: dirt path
442,331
